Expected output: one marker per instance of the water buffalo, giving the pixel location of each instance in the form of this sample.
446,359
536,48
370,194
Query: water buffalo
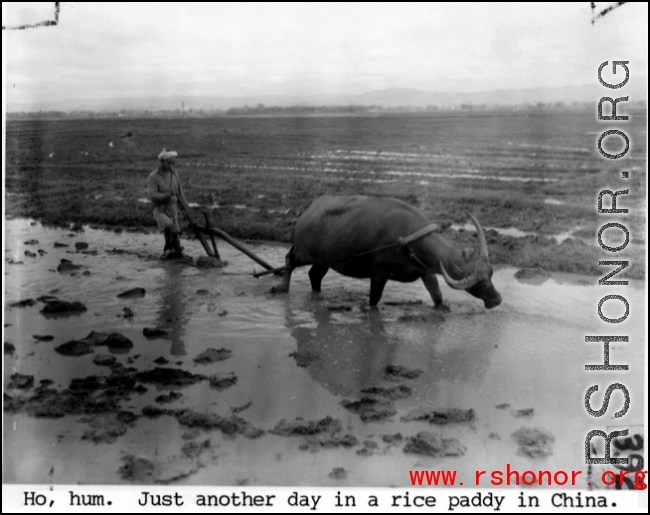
360,237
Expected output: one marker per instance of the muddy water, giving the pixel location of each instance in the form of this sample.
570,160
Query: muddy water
528,353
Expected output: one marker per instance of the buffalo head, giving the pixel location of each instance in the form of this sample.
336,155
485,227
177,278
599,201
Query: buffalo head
479,281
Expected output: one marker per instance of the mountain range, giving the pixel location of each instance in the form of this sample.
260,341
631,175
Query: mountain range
392,97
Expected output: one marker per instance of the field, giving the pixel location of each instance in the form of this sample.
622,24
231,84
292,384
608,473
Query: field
122,368
530,177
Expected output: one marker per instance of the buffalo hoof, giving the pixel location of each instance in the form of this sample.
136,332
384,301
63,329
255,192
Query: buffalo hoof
442,308
278,289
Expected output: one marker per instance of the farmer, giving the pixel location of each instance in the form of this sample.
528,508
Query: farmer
166,192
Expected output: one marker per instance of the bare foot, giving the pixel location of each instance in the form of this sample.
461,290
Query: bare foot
443,308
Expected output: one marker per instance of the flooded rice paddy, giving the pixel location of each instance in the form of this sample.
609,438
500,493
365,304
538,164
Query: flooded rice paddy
258,415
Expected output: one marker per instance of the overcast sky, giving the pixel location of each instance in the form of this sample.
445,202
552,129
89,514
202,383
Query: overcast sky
113,50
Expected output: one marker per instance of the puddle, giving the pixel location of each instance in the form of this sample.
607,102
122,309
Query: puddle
528,353
518,233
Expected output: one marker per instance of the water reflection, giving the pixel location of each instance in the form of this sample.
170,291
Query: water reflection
343,357
173,315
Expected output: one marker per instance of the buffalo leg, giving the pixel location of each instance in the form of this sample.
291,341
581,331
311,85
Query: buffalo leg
289,265
431,284
316,274
377,283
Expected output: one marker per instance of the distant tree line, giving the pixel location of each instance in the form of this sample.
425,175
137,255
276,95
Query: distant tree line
306,110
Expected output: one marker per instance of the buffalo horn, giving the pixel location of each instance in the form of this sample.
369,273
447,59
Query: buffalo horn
481,235
461,284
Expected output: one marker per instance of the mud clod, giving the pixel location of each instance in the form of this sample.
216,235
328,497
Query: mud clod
430,444
305,359
168,397
208,262
9,348
326,433
169,376
393,393
74,348
161,361
228,425
370,409
104,360
505,405
397,372
440,417
194,449
23,303
155,411
67,266
81,245
222,382
523,413
154,332
535,443
107,427
301,428
142,470
338,473
133,293
190,434
393,439
21,381
213,355
117,341
90,383
62,307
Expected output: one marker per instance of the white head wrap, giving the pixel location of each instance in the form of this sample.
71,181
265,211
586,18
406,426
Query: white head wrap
167,154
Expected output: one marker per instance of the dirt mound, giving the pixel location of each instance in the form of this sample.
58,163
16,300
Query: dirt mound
145,471
440,417
397,372
222,382
23,303
154,332
535,443
213,355
393,393
305,359
58,307
370,409
67,266
21,381
326,433
107,427
169,376
429,444
133,293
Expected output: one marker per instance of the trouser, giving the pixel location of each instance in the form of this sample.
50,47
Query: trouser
172,240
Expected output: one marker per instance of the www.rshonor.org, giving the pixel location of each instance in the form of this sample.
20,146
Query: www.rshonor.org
512,477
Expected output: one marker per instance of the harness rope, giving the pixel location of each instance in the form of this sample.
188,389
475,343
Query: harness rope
402,242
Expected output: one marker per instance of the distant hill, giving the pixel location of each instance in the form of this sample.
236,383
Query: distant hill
393,97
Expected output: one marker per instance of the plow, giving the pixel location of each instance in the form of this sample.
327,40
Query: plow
212,250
